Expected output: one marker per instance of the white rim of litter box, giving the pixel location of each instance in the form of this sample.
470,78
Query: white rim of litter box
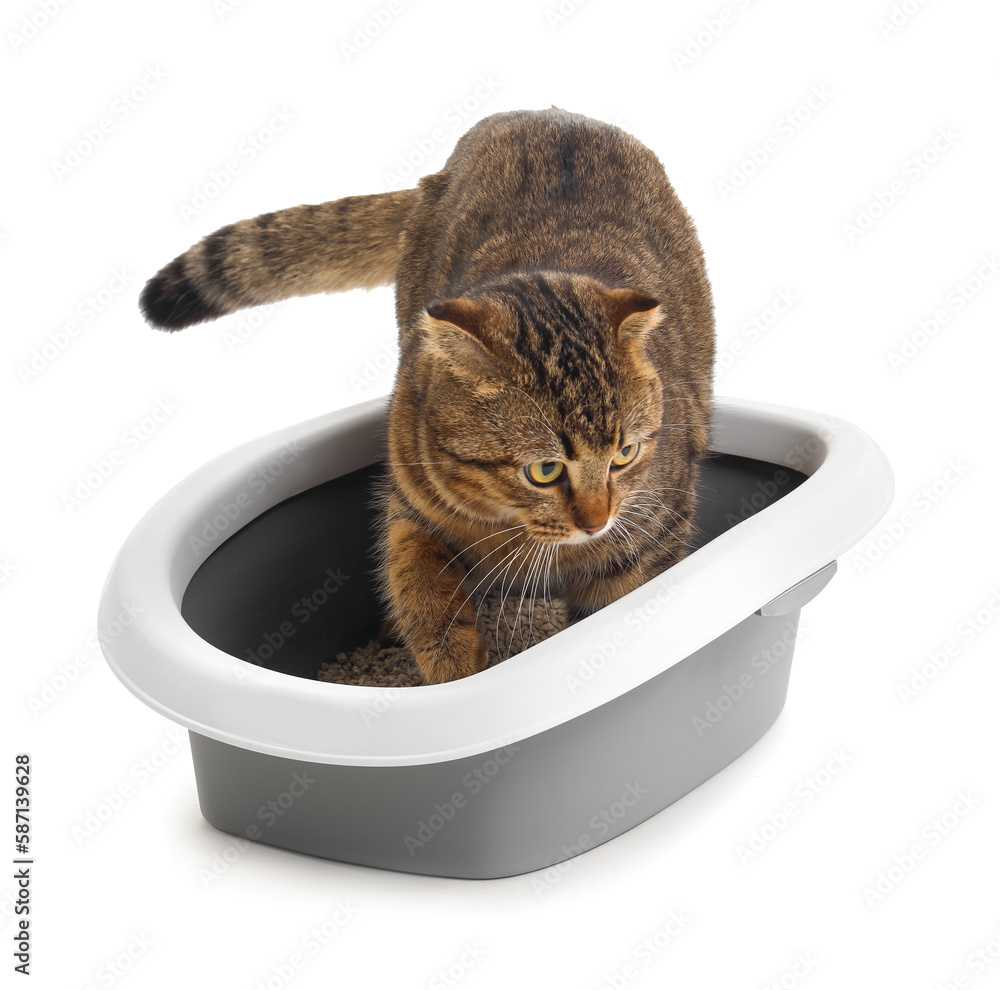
161,660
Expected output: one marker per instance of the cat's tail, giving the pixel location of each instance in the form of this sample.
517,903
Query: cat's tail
344,244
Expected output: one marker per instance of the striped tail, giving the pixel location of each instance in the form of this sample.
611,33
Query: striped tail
344,244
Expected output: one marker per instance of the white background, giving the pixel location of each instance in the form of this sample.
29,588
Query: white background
913,105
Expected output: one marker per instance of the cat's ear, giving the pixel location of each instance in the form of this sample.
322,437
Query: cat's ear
457,330
633,313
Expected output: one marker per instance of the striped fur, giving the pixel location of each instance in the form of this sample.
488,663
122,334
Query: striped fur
552,305
345,244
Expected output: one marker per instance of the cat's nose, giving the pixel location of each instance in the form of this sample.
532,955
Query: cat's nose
592,524
590,514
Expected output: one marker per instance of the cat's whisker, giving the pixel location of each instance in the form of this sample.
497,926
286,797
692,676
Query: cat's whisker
493,571
629,541
631,521
666,529
541,574
483,560
483,540
544,581
468,598
647,503
628,524
661,530
649,508
665,488
659,502
687,544
638,556
672,513
502,614
535,554
623,540
534,576
642,501
553,552
615,535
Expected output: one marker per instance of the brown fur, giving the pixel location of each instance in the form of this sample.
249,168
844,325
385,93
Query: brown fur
552,306
345,244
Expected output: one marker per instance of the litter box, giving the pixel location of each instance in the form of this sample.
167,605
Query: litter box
258,567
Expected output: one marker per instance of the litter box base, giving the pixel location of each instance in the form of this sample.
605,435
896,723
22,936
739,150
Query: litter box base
535,803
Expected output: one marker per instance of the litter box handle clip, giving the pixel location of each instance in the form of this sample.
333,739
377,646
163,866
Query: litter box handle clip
800,593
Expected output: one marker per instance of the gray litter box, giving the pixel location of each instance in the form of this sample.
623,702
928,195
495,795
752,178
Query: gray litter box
257,568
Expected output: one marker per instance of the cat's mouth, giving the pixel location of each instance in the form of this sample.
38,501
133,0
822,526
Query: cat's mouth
574,535
588,535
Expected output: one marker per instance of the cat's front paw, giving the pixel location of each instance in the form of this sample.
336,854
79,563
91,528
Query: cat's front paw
464,652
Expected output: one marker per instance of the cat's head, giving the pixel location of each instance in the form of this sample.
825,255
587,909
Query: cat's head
538,404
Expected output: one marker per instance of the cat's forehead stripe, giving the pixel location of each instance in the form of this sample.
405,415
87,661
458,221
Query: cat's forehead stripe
581,379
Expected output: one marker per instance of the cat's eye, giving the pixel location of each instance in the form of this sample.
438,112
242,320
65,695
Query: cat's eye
626,455
544,472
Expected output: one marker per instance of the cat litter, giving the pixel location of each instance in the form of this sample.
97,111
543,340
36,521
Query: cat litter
509,626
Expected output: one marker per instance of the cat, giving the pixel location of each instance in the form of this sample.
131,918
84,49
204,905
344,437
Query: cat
556,337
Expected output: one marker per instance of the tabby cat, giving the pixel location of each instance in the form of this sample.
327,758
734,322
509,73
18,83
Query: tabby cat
556,344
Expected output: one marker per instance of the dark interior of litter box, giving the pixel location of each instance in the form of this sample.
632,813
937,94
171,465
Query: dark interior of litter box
296,586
